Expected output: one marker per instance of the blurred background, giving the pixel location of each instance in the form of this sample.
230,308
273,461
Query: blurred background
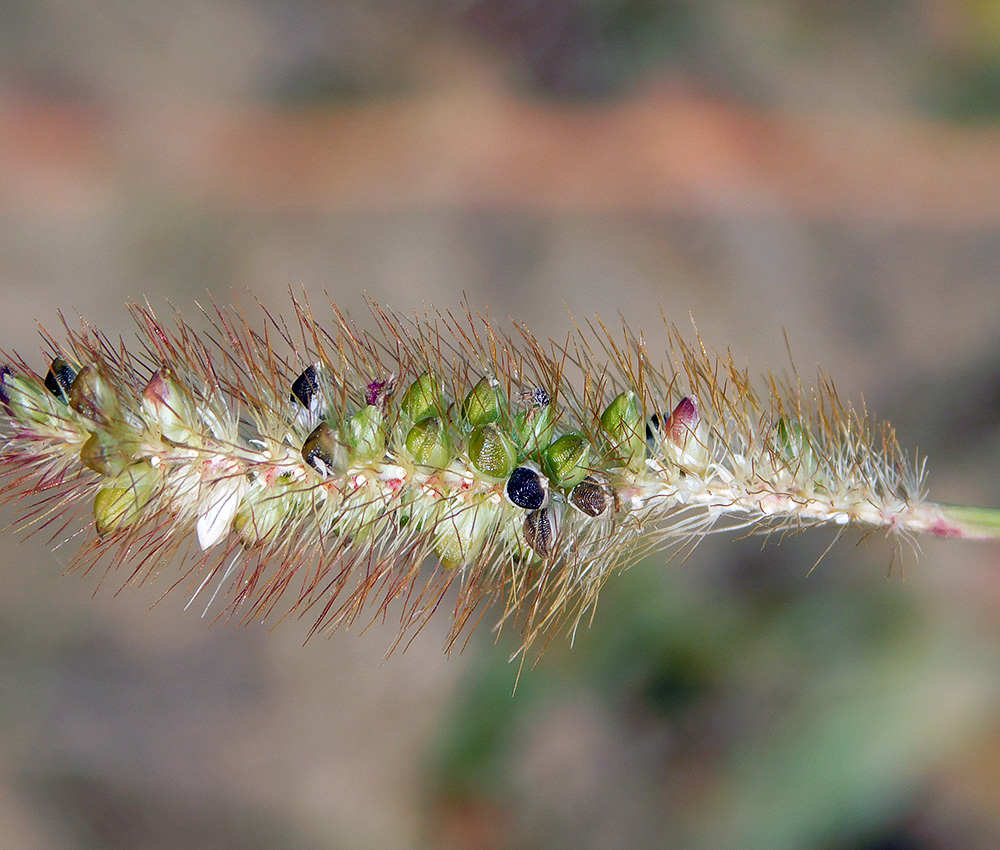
825,170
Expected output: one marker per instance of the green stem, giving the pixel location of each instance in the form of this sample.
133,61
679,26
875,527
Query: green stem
966,522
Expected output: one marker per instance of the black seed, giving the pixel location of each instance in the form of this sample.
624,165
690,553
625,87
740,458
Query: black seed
540,532
305,386
591,497
321,450
525,488
60,379
4,395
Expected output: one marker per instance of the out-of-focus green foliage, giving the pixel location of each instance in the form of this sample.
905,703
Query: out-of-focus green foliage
755,708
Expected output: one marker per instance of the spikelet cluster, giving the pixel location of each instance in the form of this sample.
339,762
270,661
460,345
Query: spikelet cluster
317,469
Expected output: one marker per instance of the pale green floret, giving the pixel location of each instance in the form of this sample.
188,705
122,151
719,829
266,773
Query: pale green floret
422,399
796,450
222,499
119,502
263,511
428,444
568,460
367,510
165,406
622,422
31,403
106,453
535,426
459,536
484,403
492,453
365,435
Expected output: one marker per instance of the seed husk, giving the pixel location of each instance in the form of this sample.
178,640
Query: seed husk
323,451
540,530
591,497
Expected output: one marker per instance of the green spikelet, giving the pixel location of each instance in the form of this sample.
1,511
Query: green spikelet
428,444
622,423
535,425
484,403
422,399
365,434
491,452
568,460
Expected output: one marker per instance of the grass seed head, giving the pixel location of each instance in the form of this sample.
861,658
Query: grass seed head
313,484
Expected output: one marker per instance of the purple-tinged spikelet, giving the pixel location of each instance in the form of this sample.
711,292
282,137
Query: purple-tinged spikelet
317,473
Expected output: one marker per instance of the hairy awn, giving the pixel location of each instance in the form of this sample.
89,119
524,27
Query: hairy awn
314,468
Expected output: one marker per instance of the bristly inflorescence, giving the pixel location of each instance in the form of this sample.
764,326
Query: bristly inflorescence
339,473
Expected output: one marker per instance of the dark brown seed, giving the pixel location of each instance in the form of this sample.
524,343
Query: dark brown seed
591,497
540,532
526,488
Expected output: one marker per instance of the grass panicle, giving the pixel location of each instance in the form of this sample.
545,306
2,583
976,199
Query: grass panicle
315,469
